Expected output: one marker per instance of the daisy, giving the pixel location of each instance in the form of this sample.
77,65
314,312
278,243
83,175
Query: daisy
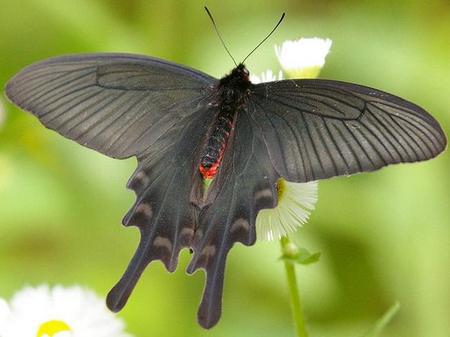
303,58
57,312
295,203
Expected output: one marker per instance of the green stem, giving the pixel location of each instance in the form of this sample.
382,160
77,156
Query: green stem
296,304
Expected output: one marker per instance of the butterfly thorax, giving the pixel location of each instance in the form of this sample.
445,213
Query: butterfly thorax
232,91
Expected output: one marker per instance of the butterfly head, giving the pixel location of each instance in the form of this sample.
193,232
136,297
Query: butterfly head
238,79
242,72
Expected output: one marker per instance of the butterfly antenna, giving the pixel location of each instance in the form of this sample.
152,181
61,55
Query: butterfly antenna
264,40
218,34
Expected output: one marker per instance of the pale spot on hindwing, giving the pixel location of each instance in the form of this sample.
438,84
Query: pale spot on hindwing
139,181
264,198
203,258
139,215
141,176
163,243
240,224
266,193
145,209
198,234
209,251
186,236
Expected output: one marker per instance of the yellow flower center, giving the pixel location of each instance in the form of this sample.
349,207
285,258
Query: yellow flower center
51,328
308,72
281,188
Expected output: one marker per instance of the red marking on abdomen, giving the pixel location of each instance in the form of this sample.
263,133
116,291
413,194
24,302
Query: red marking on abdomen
209,171
217,142
232,92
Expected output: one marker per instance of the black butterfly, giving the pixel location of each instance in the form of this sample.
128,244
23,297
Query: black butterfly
184,126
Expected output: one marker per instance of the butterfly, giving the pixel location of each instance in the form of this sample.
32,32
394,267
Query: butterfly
186,127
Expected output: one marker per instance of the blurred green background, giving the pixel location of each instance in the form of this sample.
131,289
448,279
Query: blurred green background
384,236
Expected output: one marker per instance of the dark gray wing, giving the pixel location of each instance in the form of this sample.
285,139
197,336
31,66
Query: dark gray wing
117,104
170,217
317,129
246,183
163,211
128,105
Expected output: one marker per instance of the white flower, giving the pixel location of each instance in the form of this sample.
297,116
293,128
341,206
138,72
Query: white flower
266,76
58,312
295,203
303,58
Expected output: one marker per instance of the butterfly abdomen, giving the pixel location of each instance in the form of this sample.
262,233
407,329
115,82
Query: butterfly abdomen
217,142
231,97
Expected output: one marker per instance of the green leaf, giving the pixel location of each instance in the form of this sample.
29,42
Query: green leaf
303,256
379,325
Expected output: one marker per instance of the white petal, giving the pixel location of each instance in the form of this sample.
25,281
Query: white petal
295,203
267,76
255,79
303,56
80,309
